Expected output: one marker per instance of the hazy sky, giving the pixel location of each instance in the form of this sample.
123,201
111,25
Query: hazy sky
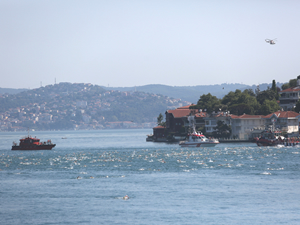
131,43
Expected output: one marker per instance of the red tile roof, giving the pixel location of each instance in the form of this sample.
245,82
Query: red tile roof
222,114
294,89
185,111
178,113
185,107
279,114
159,127
283,114
246,116
200,114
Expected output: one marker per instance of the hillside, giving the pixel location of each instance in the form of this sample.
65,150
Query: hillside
185,93
12,90
80,106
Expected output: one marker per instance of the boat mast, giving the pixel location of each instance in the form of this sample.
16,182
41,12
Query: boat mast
191,120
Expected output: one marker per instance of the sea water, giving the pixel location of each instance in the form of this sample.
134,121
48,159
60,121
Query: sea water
84,178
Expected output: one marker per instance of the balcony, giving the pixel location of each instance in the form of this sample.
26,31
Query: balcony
291,96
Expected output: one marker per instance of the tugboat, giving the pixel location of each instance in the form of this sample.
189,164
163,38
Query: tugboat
269,138
268,141
30,143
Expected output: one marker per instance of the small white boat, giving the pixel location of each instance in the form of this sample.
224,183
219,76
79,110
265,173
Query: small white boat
198,140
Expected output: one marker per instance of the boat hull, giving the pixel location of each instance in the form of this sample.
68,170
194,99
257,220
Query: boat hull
266,143
276,143
36,147
190,144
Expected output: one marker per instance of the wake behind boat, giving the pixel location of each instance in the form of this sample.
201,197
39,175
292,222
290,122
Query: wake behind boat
198,140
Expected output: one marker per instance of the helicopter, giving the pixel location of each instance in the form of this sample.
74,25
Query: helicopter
271,42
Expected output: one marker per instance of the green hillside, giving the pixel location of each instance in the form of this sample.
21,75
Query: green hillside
82,106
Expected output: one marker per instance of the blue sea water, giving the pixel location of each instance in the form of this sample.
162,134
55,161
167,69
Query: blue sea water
84,178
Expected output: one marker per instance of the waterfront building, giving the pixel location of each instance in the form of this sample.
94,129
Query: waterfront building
286,121
243,127
211,120
247,127
177,119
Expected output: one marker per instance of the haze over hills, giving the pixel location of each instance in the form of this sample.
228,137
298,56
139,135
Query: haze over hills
192,93
185,93
12,90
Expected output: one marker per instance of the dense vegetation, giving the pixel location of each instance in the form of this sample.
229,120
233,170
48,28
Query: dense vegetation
191,93
240,102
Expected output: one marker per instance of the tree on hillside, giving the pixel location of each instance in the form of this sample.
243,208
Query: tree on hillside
285,86
297,107
293,83
250,92
269,106
266,95
290,84
240,109
160,120
273,88
208,103
268,101
239,102
257,90
231,98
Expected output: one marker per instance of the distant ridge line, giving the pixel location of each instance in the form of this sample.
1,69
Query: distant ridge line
185,93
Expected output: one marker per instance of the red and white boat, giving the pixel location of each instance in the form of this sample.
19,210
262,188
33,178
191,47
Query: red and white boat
30,143
269,138
198,140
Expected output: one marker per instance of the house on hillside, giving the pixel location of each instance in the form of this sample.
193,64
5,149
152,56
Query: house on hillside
211,120
287,121
289,97
246,127
242,127
177,119
177,124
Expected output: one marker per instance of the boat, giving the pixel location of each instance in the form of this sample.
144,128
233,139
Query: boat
150,137
274,138
30,143
197,139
